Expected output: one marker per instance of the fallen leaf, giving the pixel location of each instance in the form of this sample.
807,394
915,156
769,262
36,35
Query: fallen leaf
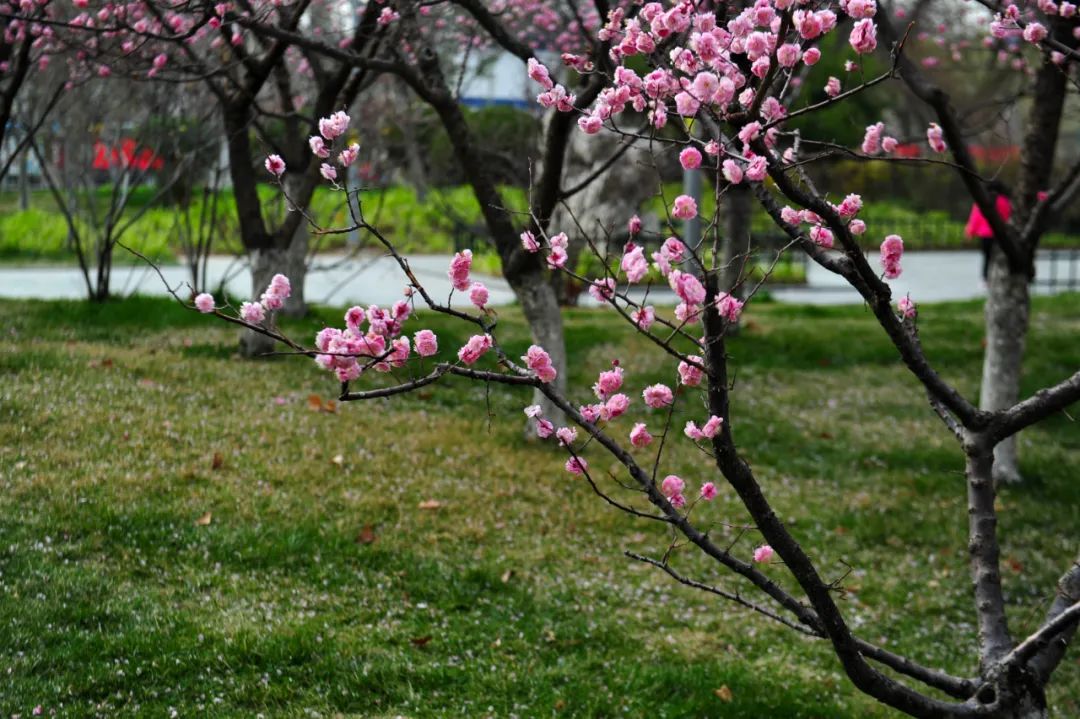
560,705
218,461
366,535
724,693
507,576
421,641
316,404
203,520
430,504
339,459
1015,564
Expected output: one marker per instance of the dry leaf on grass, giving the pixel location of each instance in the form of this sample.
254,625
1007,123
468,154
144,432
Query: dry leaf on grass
724,693
204,520
366,535
316,404
430,504
217,462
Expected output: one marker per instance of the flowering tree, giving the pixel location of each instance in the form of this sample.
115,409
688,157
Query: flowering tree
638,434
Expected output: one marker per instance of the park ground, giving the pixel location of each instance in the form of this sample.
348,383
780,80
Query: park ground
185,533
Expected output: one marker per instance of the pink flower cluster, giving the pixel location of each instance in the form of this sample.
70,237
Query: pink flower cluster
475,348
892,249
539,361
673,487
330,128
706,431
458,273
380,346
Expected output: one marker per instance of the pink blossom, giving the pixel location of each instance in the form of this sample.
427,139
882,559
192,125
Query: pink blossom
906,306
871,143
388,16
811,56
1035,33
566,435
684,208
602,290
639,436
687,287
850,206
756,169
590,124
539,361
733,173
557,258
478,294
658,395
577,465
204,303
634,263
708,491
729,307
616,406
328,172
334,126
711,426
608,383
763,553
689,374
276,293
633,225
643,317
857,227
275,165
677,500
318,147
544,428
252,312
892,249
788,54
426,343
539,73
935,137
888,144
750,132
690,158
475,348
528,241
672,485
592,412
821,236
693,431
863,36
790,216
458,273
832,87
348,156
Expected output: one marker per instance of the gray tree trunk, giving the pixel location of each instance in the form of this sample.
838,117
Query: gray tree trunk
541,307
1008,305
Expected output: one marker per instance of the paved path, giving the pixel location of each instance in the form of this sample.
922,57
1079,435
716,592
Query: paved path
928,276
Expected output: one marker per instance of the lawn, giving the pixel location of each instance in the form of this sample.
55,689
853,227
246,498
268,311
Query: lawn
183,533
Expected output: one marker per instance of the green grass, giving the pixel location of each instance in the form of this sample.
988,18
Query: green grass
511,599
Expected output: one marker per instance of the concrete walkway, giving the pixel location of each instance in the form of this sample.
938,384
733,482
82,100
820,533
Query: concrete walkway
370,279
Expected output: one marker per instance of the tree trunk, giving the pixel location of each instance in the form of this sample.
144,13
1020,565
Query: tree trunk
541,307
266,263
1008,306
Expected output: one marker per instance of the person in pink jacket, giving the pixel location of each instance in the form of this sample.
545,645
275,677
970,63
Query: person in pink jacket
979,228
